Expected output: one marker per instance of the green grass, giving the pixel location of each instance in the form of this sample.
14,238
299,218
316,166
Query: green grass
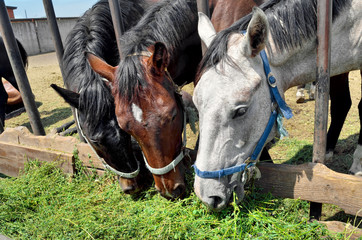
44,203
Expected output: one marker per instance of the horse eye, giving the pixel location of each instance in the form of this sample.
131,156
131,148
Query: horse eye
240,111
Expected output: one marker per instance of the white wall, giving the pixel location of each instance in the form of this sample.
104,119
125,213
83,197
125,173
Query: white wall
35,34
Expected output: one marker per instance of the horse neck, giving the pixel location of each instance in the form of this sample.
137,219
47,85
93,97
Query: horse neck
298,66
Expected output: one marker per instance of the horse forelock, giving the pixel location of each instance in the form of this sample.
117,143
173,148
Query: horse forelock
216,52
292,22
130,77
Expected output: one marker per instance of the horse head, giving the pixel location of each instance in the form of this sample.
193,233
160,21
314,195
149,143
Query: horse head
148,107
234,104
103,134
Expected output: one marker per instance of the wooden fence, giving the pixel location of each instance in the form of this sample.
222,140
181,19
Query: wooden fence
310,181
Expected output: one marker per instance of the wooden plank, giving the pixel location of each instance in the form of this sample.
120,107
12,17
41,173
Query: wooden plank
13,157
312,182
52,142
22,136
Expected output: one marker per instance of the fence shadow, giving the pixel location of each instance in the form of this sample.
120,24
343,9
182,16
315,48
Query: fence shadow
52,117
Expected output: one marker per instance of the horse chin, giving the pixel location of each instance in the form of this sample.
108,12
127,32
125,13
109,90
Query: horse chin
237,188
169,188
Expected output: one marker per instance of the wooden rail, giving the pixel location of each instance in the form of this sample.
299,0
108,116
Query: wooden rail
313,182
310,181
18,145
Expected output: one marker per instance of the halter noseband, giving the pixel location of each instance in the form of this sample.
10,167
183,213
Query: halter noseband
172,165
277,104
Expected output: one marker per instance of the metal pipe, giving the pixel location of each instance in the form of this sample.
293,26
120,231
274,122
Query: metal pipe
57,40
117,22
203,6
324,21
53,25
19,71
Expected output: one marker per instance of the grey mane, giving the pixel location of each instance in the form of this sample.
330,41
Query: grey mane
298,24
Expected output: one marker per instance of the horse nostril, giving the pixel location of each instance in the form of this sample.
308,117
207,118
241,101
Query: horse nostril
128,186
130,189
215,202
178,190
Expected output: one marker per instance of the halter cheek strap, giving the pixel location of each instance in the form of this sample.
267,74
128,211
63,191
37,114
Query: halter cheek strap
278,103
121,174
172,165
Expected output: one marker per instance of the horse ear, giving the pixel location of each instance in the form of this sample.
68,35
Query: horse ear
257,32
159,58
206,30
69,96
101,67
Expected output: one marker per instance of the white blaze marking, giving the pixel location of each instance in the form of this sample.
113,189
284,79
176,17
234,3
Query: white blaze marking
137,112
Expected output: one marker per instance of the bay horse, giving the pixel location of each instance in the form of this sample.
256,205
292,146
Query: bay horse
162,50
236,75
7,73
90,95
226,12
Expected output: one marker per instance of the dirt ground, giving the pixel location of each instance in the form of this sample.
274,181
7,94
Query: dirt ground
43,70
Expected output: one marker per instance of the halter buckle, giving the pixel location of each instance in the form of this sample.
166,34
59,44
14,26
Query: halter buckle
271,80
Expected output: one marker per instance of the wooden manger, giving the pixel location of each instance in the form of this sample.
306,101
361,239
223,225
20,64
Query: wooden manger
17,145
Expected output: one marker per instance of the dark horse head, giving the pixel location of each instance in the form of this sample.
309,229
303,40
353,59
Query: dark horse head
147,103
91,97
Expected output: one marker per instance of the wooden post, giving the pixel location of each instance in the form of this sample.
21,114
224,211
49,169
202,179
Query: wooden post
324,21
117,23
19,71
203,6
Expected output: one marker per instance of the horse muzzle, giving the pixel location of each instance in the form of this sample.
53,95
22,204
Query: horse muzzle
216,193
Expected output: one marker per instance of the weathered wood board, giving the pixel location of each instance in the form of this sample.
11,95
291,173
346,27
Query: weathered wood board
313,182
18,144
13,157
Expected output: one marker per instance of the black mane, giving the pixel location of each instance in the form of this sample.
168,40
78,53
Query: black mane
299,25
94,33
170,22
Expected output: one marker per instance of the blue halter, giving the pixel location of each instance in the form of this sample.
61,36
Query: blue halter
285,111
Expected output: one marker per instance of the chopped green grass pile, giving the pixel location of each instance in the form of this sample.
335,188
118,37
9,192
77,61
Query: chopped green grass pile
45,203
